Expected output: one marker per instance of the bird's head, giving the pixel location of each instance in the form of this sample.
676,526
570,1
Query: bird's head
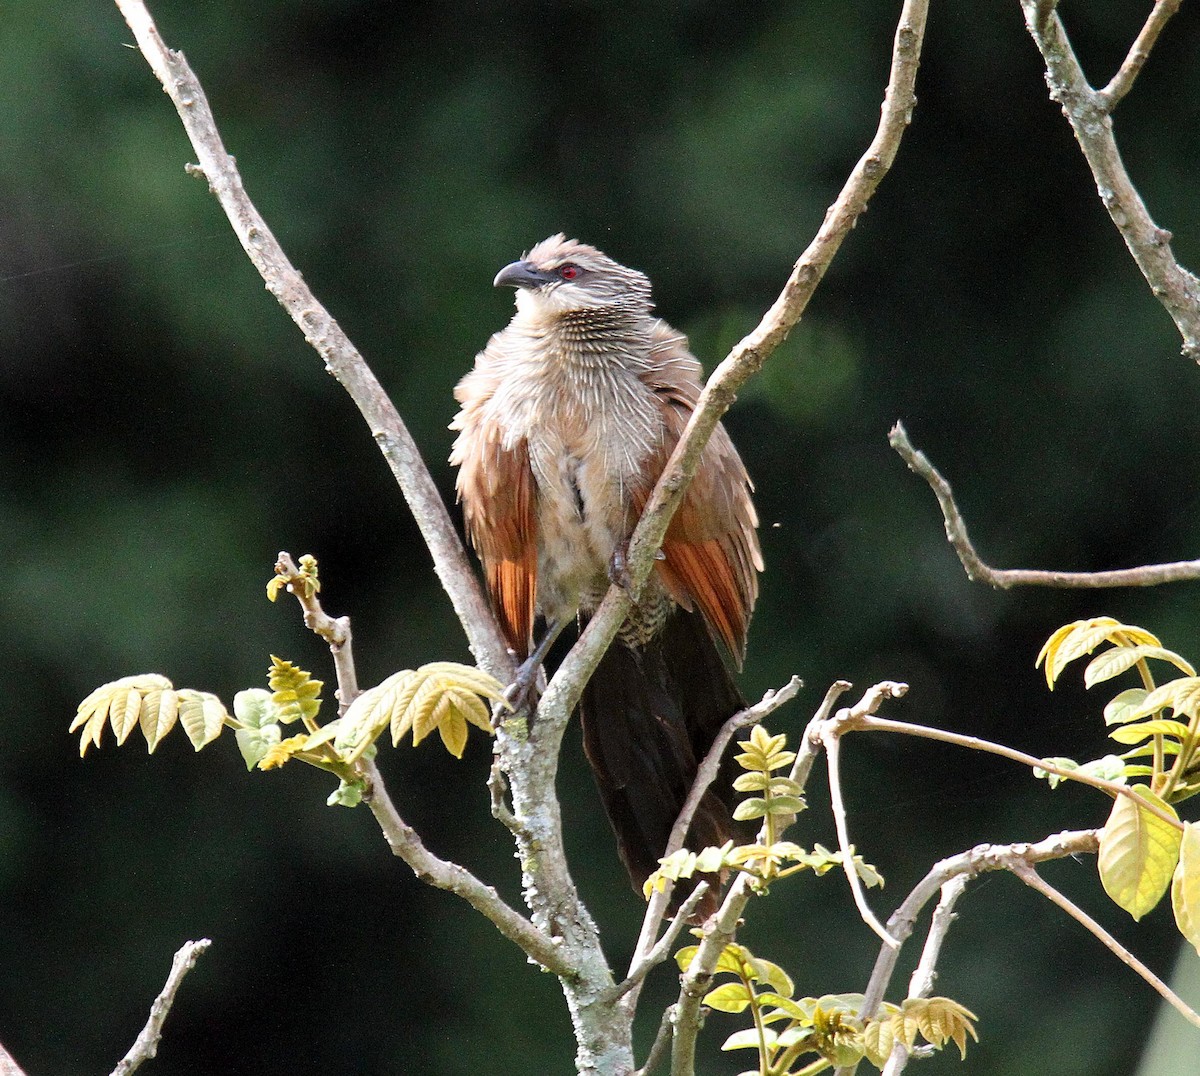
561,275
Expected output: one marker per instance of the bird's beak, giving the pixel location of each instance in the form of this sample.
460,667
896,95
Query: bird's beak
522,275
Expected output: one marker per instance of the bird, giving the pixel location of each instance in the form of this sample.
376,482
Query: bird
566,422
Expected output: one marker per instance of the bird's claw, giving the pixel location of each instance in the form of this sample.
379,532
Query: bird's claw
523,690
618,570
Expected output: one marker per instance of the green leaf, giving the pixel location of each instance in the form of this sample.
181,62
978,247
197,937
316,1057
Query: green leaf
763,971
1138,853
755,807
1123,658
754,781
348,793
1123,707
728,997
254,708
202,716
1055,779
255,743
786,805
296,693
749,1040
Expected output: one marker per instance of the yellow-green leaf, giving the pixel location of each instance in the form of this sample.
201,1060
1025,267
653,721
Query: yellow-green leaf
1081,637
118,702
467,677
158,713
728,997
202,716
747,1039
1123,658
1182,695
1185,886
1138,853
877,1040
1142,730
296,693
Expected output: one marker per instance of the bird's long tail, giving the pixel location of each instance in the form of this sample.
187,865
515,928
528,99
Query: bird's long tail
650,714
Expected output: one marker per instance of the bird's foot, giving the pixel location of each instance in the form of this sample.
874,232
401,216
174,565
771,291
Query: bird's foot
526,685
618,569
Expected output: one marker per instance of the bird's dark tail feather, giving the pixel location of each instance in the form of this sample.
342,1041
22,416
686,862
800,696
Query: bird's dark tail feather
650,715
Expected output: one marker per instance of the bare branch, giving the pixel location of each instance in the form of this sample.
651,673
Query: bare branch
1087,110
341,357
147,1042
749,355
1148,575
1031,878
967,865
806,750
658,1051
9,1067
847,849
334,630
1122,82
405,843
662,947
975,743
925,975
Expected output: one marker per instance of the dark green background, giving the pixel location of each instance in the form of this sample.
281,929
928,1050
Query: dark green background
164,430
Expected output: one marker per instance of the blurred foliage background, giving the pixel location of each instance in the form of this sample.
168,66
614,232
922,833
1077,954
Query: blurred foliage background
164,430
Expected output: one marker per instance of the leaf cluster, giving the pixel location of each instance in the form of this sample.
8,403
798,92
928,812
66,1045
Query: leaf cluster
774,799
795,1037
1144,846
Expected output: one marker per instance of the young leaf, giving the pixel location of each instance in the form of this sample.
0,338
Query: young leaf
1143,730
748,1039
755,807
1125,706
939,1020
254,708
120,702
1185,885
878,1040
296,694
1138,853
202,716
1123,658
1182,695
728,997
255,743
1072,641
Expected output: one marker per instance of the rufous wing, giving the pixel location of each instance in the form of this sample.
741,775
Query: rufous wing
710,556
496,487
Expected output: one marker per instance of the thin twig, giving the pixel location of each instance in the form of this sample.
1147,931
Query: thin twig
705,775
1148,575
810,742
975,743
658,1051
147,1042
405,843
1031,878
1139,52
662,948
920,985
832,745
1087,110
334,630
341,357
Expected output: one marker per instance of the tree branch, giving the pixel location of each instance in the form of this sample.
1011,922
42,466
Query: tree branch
1148,575
749,355
8,1066
146,1045
1031,878
1139,52
341,357
920,985
1087,110
967,865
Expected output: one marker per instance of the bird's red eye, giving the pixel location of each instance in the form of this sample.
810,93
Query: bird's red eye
568,272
